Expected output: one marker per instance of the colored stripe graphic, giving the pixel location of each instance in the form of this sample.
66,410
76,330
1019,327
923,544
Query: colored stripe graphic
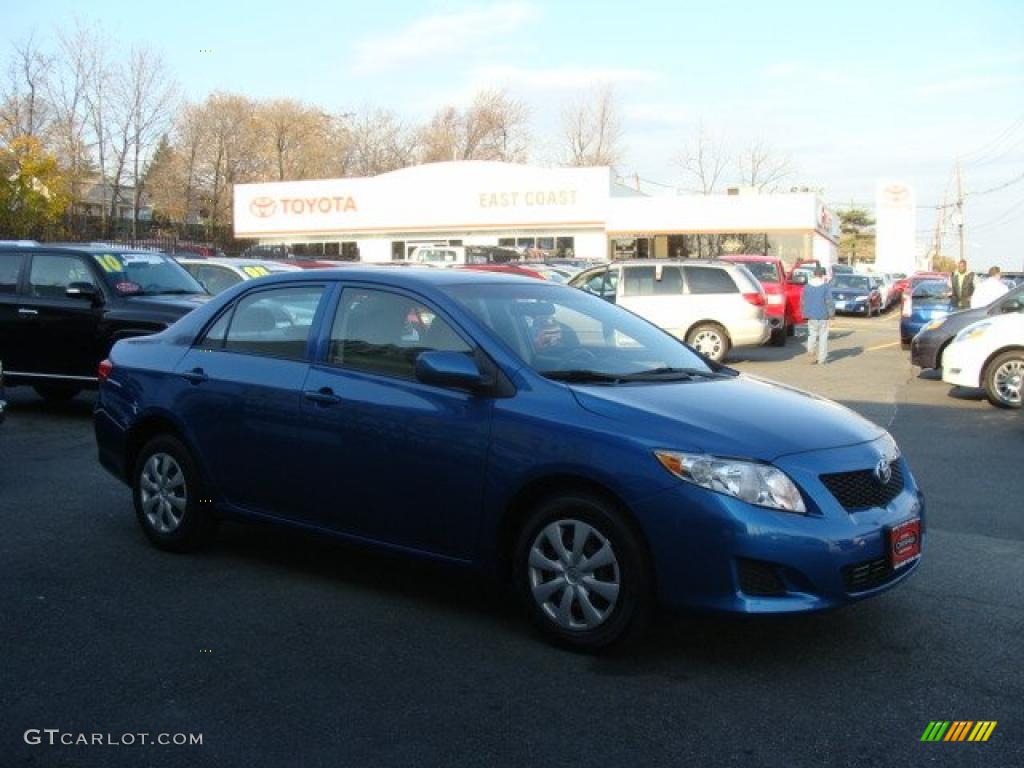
959,730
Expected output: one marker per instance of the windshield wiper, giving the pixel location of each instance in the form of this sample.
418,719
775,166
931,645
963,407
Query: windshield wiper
173,292
582,376
670,373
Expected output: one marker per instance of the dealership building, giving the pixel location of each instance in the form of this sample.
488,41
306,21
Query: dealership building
581,212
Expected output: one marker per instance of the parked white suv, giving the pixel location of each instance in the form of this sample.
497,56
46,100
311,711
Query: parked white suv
711,305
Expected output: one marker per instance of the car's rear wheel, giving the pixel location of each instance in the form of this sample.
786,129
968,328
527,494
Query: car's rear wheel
778,338
1004,380
56,393
710,340
583,573
168,496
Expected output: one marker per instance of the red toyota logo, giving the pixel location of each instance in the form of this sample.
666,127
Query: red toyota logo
263,207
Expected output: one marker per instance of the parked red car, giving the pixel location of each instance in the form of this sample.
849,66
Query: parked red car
782,294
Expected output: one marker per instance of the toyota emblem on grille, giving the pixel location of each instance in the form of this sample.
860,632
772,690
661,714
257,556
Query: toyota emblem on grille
883,471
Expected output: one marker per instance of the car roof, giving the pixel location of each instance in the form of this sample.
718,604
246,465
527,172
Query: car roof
412,277
90,248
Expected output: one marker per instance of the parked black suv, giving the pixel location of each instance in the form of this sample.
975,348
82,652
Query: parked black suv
63,306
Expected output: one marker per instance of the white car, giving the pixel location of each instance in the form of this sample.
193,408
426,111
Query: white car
989,354
220,274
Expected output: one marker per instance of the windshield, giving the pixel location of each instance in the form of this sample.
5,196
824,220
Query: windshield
567,334
146,274
850,283
765,271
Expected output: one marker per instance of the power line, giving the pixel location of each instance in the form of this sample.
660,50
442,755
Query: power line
991,144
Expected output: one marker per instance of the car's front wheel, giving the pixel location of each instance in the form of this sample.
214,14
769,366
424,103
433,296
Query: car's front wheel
583,573
1004,379
710,340
168,496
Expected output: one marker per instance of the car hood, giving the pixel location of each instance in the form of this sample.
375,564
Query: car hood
742,417
172,304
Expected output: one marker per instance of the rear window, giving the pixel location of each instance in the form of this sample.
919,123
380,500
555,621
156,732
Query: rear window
932,289
709,280
765,271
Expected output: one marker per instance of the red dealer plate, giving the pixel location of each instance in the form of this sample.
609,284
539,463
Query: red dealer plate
904,542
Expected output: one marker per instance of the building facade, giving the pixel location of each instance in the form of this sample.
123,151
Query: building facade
560,212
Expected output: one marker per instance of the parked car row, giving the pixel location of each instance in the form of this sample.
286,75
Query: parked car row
981,347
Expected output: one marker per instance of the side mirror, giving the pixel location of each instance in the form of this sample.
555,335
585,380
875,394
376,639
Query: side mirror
449,369
798,279
82,291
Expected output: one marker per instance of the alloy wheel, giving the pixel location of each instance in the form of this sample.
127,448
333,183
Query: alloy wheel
708,343
1008,381
574,575
164,493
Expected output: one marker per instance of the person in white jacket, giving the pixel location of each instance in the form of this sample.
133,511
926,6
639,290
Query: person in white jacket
990,289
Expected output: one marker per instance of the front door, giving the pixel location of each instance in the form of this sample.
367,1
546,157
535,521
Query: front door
386,457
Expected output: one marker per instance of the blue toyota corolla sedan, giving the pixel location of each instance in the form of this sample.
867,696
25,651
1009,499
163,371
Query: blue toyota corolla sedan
524,428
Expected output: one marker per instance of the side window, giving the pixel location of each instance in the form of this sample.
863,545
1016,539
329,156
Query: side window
709,280
217,279
52,273
218,332
10,268
384,333
638,281
274,322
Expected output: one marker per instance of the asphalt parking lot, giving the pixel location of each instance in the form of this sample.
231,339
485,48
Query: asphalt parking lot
286,650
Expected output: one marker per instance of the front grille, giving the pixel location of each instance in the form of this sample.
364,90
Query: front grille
867,575
862,490
758,579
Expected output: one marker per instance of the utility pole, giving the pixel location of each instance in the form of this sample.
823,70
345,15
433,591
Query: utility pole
940,220
960,211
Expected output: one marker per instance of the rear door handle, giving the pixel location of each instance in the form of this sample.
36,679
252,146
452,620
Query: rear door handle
27,312
324,396
196,376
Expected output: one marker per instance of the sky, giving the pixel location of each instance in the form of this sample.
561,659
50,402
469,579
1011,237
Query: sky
854,93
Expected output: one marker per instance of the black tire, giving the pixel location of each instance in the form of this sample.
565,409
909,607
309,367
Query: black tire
791,330
56,393
778,337
195,523
712,337
624,619
999,376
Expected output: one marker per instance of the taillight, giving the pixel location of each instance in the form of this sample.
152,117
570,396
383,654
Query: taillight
757,299
905,310
104,369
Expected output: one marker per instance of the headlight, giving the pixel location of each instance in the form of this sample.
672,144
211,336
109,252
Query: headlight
973,331
754,483
934,324
890,450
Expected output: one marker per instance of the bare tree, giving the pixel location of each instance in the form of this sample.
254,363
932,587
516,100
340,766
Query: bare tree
301,139
591,129
381,143
763,168
493,127
24,110
93,46
149,93
703,161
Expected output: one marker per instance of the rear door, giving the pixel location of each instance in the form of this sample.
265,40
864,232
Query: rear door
12,350
241,394
713,295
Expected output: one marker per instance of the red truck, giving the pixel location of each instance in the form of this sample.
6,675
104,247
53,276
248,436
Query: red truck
782,292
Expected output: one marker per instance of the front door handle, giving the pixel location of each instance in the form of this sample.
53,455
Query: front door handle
196,376
24,312
323,396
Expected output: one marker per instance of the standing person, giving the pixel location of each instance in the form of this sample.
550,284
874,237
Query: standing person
989,289
963,286
817,306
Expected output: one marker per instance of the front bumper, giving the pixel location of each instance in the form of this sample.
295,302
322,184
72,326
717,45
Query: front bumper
960,367
706,545
924,350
